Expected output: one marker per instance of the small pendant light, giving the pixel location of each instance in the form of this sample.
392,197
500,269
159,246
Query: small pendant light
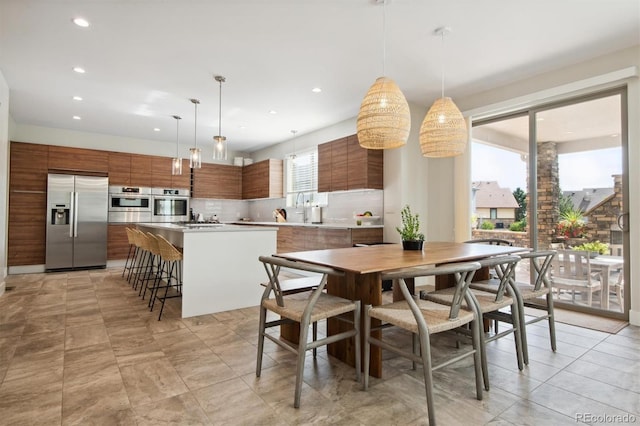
195,157
176,163
220,147
444,131
384,119
292,157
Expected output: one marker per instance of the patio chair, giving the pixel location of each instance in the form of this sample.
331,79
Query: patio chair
571,270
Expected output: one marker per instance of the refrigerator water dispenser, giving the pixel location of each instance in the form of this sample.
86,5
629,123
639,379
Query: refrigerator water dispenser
60,215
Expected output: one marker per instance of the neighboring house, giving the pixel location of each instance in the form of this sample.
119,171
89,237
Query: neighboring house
493,203
588,198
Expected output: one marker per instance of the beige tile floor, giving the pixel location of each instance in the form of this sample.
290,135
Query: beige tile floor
81,348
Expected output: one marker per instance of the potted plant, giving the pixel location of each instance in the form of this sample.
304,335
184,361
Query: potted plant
412,238
572,227
594,248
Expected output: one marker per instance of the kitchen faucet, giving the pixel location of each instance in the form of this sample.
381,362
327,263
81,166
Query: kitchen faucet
304,211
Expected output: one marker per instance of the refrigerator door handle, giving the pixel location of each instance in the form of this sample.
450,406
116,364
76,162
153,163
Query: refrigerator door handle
75,216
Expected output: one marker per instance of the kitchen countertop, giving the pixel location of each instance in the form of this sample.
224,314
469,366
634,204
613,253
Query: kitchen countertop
312,225
204,227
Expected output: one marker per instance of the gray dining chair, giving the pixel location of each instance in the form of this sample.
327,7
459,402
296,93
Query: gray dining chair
491,305
423,319
535,295
304,308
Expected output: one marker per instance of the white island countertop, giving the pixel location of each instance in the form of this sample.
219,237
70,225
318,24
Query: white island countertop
204,227
220,267
312,225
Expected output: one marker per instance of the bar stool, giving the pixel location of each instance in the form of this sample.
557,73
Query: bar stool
146,263
154,266
171,264
128,264
139,255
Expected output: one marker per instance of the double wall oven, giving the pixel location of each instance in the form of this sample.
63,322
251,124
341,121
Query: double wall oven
140,204
170,205
129,204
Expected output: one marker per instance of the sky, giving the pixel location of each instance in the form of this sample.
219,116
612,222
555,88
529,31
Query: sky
590,169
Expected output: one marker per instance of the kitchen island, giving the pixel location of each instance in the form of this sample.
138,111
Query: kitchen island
221,270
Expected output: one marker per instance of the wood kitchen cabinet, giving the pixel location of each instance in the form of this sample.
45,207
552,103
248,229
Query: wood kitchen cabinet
117,242
141,170
120,169
217,181
262,180
343,165
364,166
27,228
324,167
161,172
62,158
29,166
293,238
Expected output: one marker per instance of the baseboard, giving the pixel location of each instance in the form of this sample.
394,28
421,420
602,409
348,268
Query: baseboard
26,269
634,317
3,286
116,263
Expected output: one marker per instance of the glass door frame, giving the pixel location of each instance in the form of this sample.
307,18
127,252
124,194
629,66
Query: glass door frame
532,207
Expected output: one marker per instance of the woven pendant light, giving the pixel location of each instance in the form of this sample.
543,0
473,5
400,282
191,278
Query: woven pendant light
444,131
384,120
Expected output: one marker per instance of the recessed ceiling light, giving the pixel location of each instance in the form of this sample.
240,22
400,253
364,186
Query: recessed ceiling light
316,90
77,98
569,132
243,127
615,135
273,112
81,22
77,117
539,119
156,129
79,70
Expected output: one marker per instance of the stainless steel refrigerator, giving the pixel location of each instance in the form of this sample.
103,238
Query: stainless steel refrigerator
77,209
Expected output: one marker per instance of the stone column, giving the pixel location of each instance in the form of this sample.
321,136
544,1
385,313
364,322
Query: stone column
548,192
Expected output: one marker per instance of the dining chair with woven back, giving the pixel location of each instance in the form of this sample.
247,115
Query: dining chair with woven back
304,308
424,319
534,294
491,305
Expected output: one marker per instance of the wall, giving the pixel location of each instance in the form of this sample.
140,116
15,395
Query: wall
4,177
77,139
615,69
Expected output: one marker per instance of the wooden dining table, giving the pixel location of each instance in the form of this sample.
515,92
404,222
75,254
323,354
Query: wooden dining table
363,267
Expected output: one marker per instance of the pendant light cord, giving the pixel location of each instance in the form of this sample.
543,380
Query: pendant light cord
220,111
442,61
177,134
384,36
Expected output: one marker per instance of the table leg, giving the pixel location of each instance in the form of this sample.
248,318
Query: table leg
368,289
604,291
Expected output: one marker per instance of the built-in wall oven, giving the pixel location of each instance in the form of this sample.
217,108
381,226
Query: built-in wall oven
170,205
129,204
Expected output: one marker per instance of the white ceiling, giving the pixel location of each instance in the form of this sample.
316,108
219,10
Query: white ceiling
144,59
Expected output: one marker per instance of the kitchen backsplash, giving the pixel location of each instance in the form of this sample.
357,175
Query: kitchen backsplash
340,209
342,206
225,210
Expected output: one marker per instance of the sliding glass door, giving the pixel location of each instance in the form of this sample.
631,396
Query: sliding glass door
574,158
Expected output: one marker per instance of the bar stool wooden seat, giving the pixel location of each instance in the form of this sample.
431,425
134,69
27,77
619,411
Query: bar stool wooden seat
128,264
170,270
